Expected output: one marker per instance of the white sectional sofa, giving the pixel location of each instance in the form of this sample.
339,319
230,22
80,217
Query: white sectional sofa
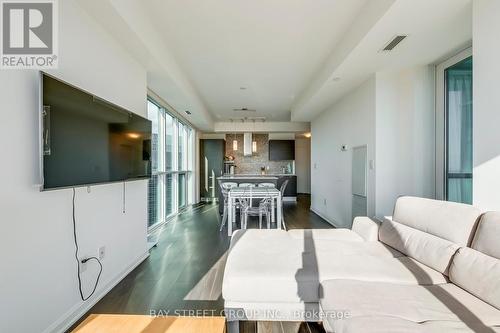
425,269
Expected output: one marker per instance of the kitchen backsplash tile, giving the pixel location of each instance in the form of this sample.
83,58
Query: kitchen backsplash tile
252,164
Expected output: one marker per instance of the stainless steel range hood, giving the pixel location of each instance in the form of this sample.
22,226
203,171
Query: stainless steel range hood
247,144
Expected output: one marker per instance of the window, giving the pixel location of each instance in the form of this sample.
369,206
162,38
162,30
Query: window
454,98
172,165
458,108
155,188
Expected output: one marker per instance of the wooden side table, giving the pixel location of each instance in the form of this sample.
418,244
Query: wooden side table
109,323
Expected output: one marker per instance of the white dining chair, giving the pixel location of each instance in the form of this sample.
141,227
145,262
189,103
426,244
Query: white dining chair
263,209
225,188
246,185
271,185
282,192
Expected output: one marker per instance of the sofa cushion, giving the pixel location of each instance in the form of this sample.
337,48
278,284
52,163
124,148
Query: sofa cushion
343,248
273,277
428,249
334,242
477,273
327,234
486,239
270,266
445,302
403,270
384,324
477,270
366,227
449,220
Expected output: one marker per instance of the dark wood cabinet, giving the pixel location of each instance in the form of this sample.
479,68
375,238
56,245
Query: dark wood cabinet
281,150
291,188
211,167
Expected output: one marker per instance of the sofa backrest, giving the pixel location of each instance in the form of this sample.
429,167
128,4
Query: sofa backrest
487,237
449,220
477,269
430,231
428,249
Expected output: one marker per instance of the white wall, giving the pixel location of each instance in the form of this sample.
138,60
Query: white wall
261,127
351,121
486,55
38,283
303,164
281,136
405,139
393,114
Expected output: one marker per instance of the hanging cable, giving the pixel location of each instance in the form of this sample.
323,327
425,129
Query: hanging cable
123,209
75,238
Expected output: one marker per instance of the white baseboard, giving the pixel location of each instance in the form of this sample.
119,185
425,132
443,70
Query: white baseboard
332,222
77,311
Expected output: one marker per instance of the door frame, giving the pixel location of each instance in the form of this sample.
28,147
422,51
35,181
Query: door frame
440,120
365,147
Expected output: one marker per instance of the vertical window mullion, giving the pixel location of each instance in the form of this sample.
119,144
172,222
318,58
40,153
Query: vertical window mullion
174,164
164,165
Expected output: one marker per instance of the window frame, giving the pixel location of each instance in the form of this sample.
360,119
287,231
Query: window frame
441,134
163,174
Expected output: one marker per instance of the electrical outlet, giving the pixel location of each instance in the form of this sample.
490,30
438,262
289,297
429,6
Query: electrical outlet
102,252
324,202
83,265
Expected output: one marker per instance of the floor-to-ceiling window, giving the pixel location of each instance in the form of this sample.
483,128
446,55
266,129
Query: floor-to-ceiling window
455,95
459,131
172,165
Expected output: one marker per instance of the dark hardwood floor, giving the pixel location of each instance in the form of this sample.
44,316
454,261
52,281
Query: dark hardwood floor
183,273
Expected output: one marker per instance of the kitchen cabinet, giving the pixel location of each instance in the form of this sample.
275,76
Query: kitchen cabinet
281,150
291,188
211,167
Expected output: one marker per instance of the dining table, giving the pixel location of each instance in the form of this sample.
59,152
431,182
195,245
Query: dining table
251,193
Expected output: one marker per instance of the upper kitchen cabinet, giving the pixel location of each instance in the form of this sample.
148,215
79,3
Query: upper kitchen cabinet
281,150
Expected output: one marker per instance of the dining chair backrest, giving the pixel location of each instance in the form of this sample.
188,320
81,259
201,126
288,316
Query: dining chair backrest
225,187
283,187
266,185
229,185
246,185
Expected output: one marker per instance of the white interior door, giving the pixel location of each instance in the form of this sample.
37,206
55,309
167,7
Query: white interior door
359,175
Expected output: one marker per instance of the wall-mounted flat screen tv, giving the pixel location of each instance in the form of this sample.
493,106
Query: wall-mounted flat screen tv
86,140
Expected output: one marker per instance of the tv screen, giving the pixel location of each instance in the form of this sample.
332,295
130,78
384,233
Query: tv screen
86,140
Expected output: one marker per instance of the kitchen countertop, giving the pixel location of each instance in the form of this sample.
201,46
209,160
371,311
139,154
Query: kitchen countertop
260,175
269,177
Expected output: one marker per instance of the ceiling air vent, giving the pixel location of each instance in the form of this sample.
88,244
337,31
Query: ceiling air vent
394,42
244,110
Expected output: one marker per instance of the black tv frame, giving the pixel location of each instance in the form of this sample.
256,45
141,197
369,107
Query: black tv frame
41,74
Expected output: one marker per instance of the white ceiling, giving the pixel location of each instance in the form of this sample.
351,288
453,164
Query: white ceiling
199,54
435,29
271,48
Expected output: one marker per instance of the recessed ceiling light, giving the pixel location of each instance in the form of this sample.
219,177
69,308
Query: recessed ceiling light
243,88
134,135
188,112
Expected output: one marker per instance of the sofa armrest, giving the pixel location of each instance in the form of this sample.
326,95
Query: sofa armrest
366,227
